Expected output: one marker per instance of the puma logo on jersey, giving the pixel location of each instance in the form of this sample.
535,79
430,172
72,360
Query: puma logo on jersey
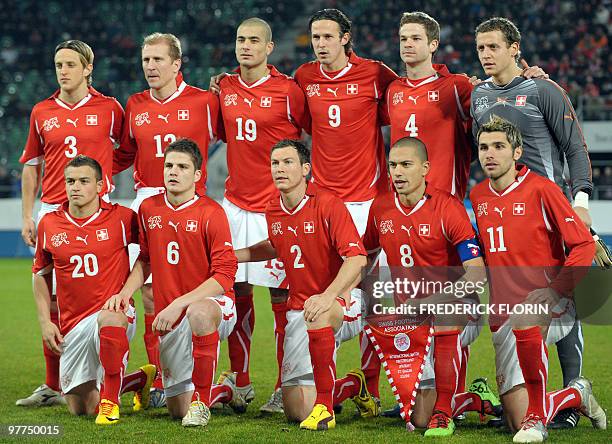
74,122
249,102
276,275
570,219
407,230
414,99
353,244
164,118
334,91
499,211
83,239
294,230
175,226
228,244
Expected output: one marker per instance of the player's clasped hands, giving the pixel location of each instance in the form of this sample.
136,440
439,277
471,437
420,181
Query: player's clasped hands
166,318
317,305
52,337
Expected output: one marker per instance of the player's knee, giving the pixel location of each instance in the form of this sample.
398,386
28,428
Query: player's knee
108,318
203,317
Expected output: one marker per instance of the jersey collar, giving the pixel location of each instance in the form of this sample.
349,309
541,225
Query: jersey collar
92,93
181,85
406,211
353,59
523,171
441,71
182,206
311,190
104,206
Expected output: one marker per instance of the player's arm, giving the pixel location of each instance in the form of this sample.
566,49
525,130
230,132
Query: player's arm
136,279
31,177
563,123
125,153
300,113
261,251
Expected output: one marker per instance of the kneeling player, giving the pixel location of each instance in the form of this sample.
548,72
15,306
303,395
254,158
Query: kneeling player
311,231
85,241
525,221
186,243
418,225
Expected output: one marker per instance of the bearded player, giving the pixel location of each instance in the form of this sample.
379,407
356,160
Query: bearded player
85,241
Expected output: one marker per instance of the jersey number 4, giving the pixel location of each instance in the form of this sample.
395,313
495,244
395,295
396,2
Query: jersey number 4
411,126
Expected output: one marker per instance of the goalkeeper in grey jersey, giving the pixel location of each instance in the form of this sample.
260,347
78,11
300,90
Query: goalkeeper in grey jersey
552,137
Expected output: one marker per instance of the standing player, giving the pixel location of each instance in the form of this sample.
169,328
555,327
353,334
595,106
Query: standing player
167,111
185,242
344,92
525,221
311,231
418,225
551,137
76,119
260,106
85,241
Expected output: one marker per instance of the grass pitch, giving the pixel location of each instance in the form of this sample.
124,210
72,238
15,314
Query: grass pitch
22,369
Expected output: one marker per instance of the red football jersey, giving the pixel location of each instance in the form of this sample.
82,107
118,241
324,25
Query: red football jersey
310,240
90,257
58,132
528,225
185,246
420,236
437,111
151,125
255,117
348,155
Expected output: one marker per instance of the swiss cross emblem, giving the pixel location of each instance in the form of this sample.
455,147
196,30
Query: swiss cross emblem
520,101
398,97
313,90
309,227
352,88
192,225
518,209
265,102
183,114
230,99
102,234
424,230
433,96
474,252
51,123
91,119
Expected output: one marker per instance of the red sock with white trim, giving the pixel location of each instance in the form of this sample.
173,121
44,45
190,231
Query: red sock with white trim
345,388
322,346
52,361
151,341
204,365
465,357
280,322
565,398
220,393
447,361
133,382
533,358
239,341
114,350
370,365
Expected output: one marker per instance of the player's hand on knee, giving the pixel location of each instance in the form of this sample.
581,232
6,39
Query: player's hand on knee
166,318
545,296
215,81
532,72
316,305
117,303
52,337
28,232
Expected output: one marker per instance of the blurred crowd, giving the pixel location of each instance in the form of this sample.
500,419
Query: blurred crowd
568,39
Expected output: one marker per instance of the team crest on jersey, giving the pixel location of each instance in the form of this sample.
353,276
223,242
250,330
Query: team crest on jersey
481,103
482,209
433,96
183,114
313,90
386,226
192,226
518,209
424,230
520,101
154,222
91,120
277,228
265,102
398,97
309,227
352,88
59,239
102,234
142,118
51,123
231,99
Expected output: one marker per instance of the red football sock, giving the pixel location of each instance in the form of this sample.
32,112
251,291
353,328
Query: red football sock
239,341
561,399
52,362
533,359
133,382
204,365
466,402
114,351
465,357
220,393
152,346
322,347
370,365
280,322
345,388
447,361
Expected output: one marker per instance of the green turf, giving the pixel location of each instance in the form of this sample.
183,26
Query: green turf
21,370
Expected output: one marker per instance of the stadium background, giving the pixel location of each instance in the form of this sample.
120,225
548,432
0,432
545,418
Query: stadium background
569,40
